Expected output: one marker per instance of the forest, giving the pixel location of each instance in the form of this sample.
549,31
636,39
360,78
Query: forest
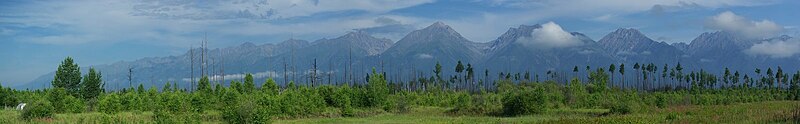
658,95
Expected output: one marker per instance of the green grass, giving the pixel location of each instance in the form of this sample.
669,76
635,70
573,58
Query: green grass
759,112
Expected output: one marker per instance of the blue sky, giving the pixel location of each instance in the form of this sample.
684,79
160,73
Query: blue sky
36,35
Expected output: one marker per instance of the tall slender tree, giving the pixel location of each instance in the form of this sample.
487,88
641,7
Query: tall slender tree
437,70
68,76
636,70
92,84
575,71
622,72
249,84
470,75
612,68
459,69
726,76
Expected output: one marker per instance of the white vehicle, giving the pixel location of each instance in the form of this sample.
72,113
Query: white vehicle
21,106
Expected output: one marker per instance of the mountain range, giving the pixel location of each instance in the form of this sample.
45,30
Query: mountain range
348,58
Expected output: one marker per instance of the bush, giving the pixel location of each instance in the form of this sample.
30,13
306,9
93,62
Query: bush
523,101
246,111
38,109
301,102
377,90
110,104
63,102
463,101
621,108
661,100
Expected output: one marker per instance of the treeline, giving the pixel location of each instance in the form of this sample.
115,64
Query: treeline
512,95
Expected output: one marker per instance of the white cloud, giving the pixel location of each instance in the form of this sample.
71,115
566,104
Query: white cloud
606,17
262,9
551,35
178,24
486,26
730,22
424,56
776,48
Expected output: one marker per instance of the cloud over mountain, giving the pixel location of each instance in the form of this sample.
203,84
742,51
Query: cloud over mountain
776,48
730,22
551,35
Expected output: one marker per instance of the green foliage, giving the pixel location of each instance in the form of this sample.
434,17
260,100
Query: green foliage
598,81
576,95
63,102
246,111
68,76
110,104
237,86
132,101
377,90
203,85
249,85
167,87
463,101
524,101
92,84
8,97
270,87
301,102
621,108
38,109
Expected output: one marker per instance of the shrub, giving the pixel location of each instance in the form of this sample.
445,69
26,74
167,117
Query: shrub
621,108
38,109
246,111
661,100
110,104
301,102
377,90
63,102
523,101
463,101
672,116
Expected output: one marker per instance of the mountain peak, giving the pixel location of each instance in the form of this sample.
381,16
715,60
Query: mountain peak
294,43
439,26
438,23
625,35
627,31
355,34
248,44
437,29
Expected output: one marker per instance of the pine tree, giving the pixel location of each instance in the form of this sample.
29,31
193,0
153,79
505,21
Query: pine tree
612,68
68,76
203,85
575,71
622,72
726,76
636,69
92,84
249,85
470,75
270,87
459,69
438,71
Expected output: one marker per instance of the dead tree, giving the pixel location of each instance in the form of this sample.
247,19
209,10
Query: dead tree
191,60
130,76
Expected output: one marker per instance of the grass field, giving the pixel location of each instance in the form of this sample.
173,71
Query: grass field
760,112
